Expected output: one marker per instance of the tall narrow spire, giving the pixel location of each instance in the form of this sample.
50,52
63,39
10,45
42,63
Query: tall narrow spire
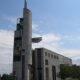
25,4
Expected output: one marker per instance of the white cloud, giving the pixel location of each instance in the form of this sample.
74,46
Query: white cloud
5,68
6,37
49,41
76,61
35,27
6,50
50,37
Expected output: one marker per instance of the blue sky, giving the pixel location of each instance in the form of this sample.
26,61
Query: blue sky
57,19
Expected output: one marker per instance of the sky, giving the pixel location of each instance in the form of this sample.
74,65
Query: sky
56,21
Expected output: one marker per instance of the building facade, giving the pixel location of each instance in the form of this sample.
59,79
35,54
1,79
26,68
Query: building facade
46,64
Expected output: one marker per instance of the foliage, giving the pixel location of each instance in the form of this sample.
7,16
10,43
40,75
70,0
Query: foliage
6,77
69,71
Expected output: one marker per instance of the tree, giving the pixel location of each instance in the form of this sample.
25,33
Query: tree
6,77
69,71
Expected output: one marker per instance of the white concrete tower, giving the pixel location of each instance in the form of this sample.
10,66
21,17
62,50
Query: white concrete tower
27,42
22,57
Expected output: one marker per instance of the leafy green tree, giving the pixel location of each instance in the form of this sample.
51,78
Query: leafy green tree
69,71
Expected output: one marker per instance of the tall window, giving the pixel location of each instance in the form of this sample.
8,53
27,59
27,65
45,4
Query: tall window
39,74
47,73
39,63
48,54
39,58
54,72
46,62
52,56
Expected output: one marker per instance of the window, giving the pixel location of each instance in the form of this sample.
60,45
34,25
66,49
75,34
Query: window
48,55
19,26
21,20
51,56
57,57
45,53
46,62
54,56
17,57
39,63
39,74
18,39
54,72
47,73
